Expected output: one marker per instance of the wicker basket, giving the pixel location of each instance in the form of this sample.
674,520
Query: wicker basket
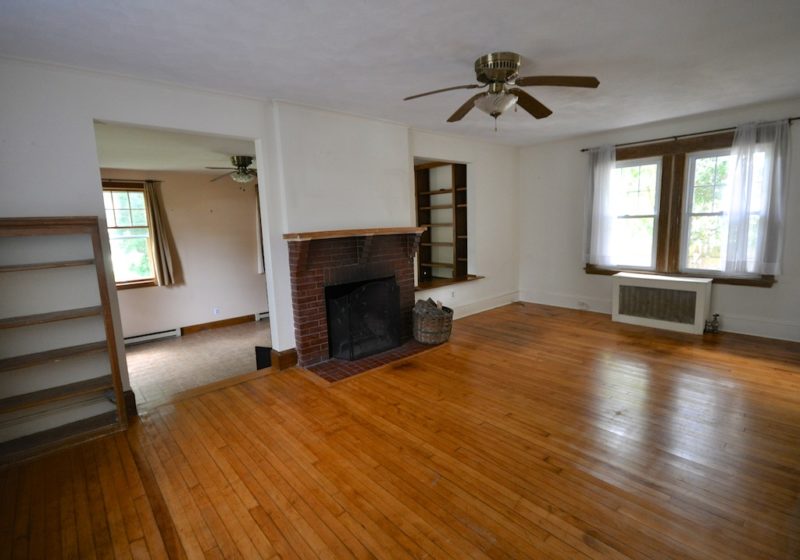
433,329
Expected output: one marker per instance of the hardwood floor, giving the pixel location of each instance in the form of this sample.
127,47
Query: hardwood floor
537,432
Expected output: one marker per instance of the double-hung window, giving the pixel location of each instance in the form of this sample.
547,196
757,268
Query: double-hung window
634,207
130,235
711,205
705,223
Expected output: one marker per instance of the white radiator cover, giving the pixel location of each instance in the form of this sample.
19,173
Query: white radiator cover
655,304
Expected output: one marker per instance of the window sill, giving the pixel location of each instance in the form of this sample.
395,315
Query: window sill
441,282
765,281
136,284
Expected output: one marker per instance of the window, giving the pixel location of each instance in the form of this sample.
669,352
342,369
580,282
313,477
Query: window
696,205
130,235
705,233
634,202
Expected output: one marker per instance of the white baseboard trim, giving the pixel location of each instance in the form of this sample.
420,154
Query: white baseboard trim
742,324
465,310
759,326
600,305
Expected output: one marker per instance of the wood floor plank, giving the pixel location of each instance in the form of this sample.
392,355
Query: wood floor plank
83,520
536,432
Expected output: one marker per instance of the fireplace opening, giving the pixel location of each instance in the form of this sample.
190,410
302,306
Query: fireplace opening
363,318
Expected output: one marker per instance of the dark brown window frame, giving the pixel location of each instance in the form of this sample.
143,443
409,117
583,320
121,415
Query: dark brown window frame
111,186
670,211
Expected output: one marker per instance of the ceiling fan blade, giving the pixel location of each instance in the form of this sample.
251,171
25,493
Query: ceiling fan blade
469,86
465,108
530,104
219,177
220,167
565,81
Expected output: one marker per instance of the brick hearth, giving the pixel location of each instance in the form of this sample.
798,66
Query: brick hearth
317,261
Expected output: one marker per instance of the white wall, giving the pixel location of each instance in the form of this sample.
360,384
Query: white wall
340,171
343,172
214,227
48,156
553,180
491,220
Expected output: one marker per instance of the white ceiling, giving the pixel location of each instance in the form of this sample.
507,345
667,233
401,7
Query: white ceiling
147,149
655,59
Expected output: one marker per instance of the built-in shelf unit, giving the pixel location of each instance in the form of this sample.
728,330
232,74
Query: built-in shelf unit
441,195
59,370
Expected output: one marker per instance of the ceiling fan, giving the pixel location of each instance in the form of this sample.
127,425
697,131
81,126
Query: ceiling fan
499,72
241,170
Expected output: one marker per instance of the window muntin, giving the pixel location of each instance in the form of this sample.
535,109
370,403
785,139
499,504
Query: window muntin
129,235
635,186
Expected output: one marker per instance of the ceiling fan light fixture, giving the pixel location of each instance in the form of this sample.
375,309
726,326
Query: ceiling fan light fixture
495,104
242,176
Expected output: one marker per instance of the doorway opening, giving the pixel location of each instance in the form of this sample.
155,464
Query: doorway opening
183,221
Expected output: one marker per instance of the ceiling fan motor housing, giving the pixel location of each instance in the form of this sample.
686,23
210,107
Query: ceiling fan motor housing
241,162
497,68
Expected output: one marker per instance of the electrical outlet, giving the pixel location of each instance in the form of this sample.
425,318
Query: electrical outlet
215,310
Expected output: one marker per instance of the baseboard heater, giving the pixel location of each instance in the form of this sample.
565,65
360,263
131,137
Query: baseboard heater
151,336
665,302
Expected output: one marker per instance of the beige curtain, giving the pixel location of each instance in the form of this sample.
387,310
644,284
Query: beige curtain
161,239
259,238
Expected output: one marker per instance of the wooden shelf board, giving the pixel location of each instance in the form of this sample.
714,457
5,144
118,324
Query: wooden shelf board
45,265
461,189
440,282
44,396
461,236
438,265
53,316
437,244
461,205
27,360
431,165
436,207
440,191
47,440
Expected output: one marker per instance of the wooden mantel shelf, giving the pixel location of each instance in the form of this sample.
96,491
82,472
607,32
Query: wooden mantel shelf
339,233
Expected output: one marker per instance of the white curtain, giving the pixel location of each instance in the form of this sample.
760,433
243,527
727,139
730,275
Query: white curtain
599,246
758,196
161,239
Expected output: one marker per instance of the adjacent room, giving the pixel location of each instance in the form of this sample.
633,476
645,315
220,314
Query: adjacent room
400,280
185,240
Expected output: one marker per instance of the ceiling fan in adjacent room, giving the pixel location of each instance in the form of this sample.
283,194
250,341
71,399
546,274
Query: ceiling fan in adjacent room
241,172
499,72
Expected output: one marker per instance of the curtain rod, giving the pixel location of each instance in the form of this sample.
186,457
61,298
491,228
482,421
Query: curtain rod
679,136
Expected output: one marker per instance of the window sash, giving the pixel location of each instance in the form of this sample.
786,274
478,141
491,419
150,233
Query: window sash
150,280
689,187
640,162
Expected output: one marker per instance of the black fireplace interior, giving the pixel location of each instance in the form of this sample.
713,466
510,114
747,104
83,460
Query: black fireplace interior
363,318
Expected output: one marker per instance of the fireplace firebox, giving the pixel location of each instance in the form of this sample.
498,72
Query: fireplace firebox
363,318
328,259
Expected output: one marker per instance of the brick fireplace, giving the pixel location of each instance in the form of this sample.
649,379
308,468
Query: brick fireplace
333,258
